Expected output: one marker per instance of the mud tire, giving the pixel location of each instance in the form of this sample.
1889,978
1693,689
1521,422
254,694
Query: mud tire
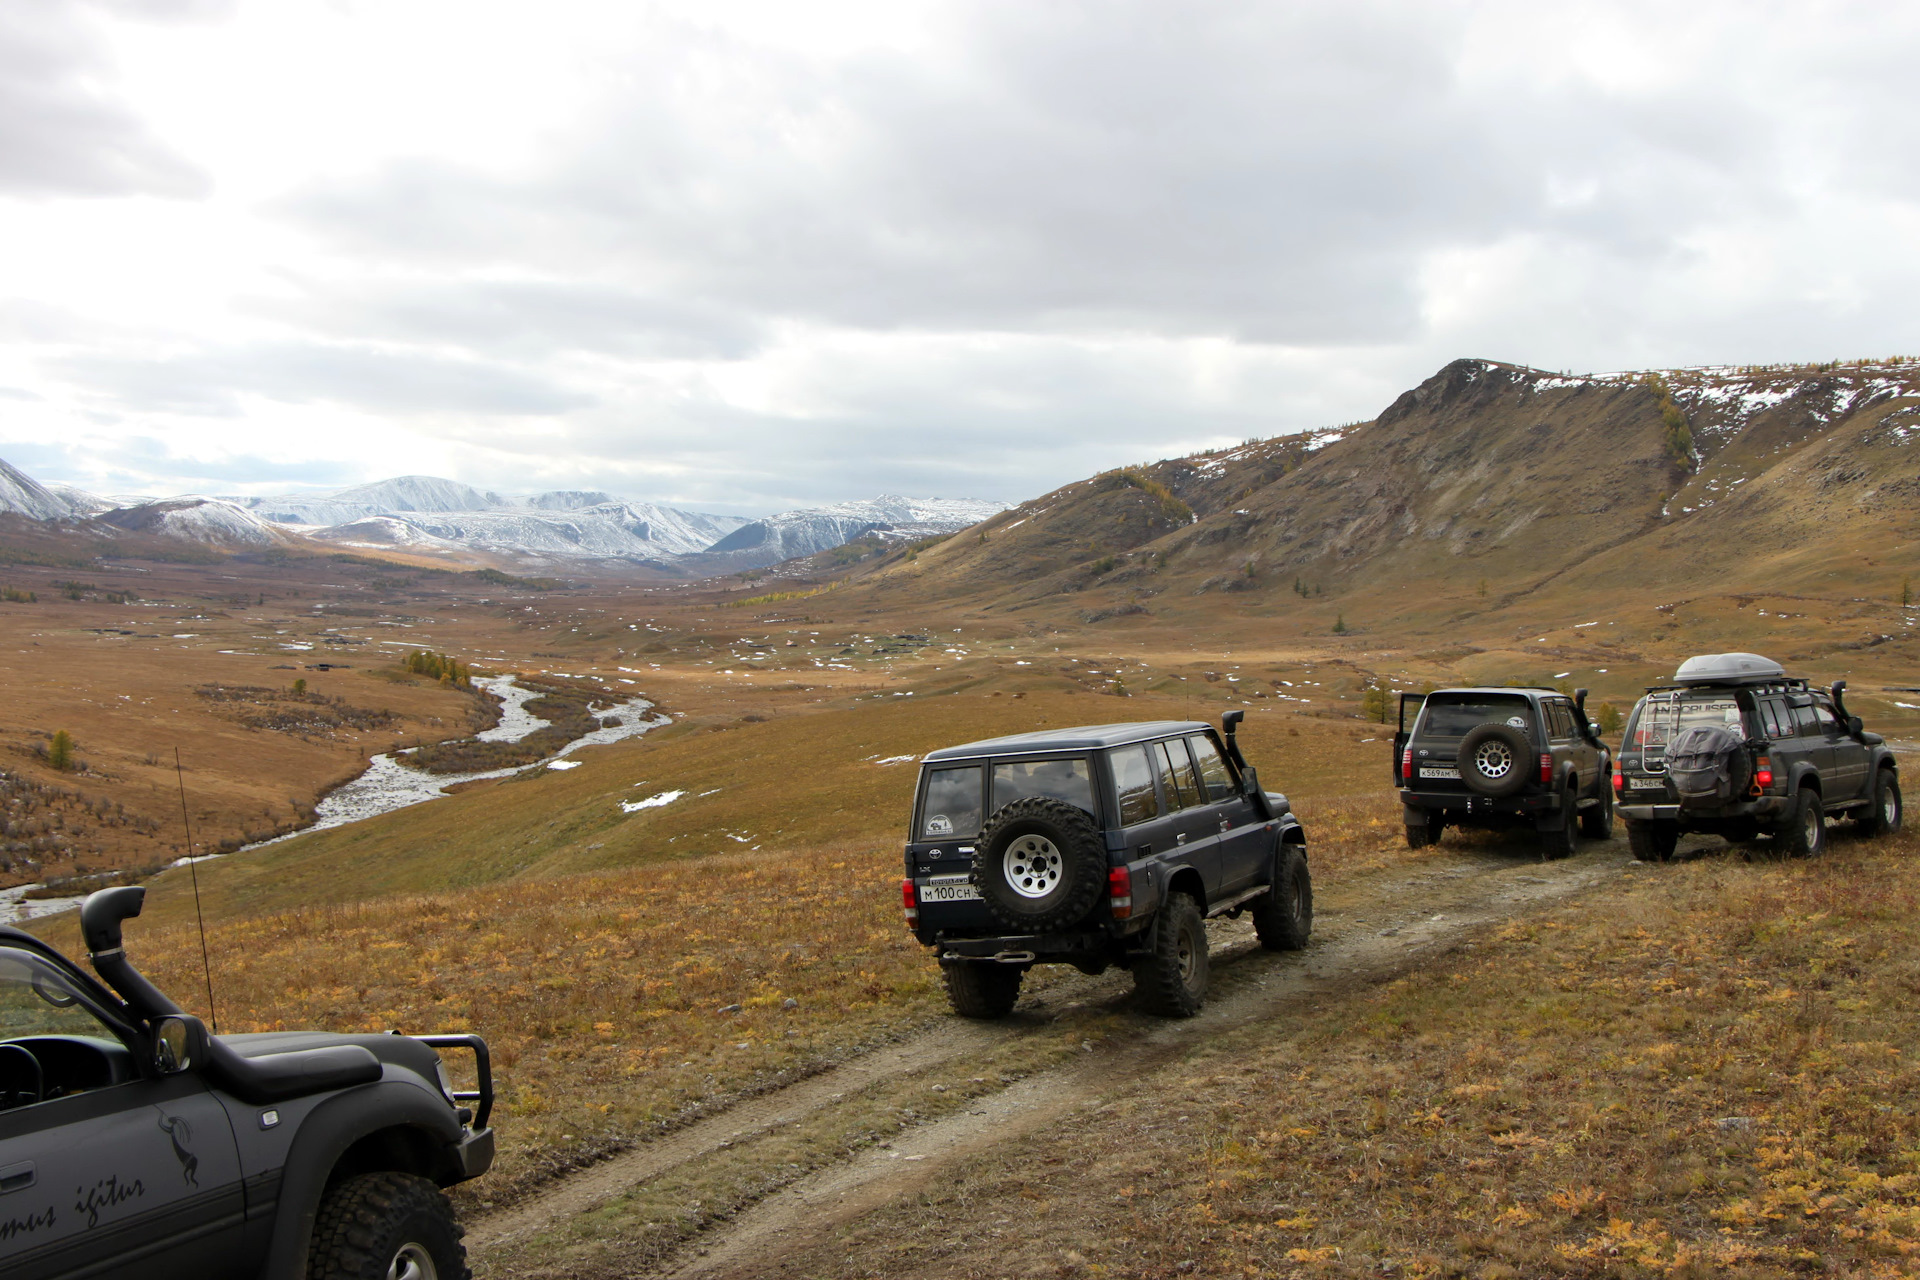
1171,978
1283,919
383,1224
1495,760
1597,823
981,990
1063,842
1563,841
1652,841
1885,815
1422,834
1805,832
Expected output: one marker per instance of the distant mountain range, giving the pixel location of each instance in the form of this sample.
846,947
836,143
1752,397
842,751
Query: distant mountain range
434,516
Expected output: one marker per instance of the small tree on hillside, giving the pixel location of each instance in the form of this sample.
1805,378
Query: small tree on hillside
1373,702
60,751
1906,593
300,686
1340,624
1610,720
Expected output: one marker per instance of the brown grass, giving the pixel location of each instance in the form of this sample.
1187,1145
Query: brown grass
1709,1070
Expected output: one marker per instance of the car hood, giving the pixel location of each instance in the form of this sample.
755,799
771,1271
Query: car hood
395,1050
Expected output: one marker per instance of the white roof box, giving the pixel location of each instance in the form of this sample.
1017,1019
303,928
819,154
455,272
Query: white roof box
1728,668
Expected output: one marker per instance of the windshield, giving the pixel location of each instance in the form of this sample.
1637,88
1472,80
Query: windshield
1454,715
1663,715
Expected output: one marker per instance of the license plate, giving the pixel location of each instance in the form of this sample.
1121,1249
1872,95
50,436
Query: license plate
949,889
1435,771
1650,786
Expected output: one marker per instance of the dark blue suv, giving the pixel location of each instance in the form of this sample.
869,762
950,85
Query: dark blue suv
1098,846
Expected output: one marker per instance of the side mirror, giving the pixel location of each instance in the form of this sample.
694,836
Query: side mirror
179,1043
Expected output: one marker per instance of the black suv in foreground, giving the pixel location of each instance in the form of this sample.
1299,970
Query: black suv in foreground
1735,747
1503,758
1098,846
132,1143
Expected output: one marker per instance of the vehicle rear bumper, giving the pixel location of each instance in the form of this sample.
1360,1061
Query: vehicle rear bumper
1763,809
1469,805
1028,948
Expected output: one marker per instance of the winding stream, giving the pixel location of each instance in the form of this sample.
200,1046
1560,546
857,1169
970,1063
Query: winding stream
388,785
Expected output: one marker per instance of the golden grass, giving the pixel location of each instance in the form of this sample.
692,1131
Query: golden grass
599,989
1710,1070
612,1002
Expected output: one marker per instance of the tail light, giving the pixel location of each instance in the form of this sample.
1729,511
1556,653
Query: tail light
1546,766
910,903
1120,892
1763,773
1619,780
1406,763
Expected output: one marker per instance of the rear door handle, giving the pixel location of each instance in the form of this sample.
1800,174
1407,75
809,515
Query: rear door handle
1181,838
16,1177
1226,824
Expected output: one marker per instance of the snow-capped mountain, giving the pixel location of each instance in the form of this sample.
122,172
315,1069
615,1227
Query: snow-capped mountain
435,516
800,533
204,520
22,495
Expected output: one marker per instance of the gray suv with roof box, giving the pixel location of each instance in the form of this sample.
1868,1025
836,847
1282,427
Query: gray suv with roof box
1098,846
1738,748
1503,758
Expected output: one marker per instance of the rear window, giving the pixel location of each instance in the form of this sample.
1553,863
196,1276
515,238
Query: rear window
951,806
1456,715
1663,715
1069,780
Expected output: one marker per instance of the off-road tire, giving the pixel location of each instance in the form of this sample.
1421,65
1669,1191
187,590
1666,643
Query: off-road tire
1495,760
981,990
1063,841
1283,919
1563,841
1597,823
1805,832
1884,815
1172,977
381,1224
1652,841
1422,834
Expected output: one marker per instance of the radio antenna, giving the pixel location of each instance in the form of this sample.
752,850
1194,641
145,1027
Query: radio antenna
193,871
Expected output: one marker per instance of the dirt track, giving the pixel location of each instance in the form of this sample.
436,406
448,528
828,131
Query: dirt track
1371,932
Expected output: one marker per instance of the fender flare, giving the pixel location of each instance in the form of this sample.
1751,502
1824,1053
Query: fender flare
326,1134
1797,781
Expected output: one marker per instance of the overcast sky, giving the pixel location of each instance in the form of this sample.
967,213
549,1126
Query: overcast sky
745,257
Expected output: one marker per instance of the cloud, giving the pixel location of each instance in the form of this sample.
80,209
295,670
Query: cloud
212,382
749,256
524,319
61,133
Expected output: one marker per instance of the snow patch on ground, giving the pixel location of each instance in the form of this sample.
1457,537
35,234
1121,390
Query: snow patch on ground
651,802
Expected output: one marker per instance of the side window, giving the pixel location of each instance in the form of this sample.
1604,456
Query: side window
1559,721
1216,779
952,806
1176,773
1828,717
1133,781
1806,721
1773,718
1069,780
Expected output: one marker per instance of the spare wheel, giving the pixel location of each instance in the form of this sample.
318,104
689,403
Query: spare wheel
1496,760
1040,864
